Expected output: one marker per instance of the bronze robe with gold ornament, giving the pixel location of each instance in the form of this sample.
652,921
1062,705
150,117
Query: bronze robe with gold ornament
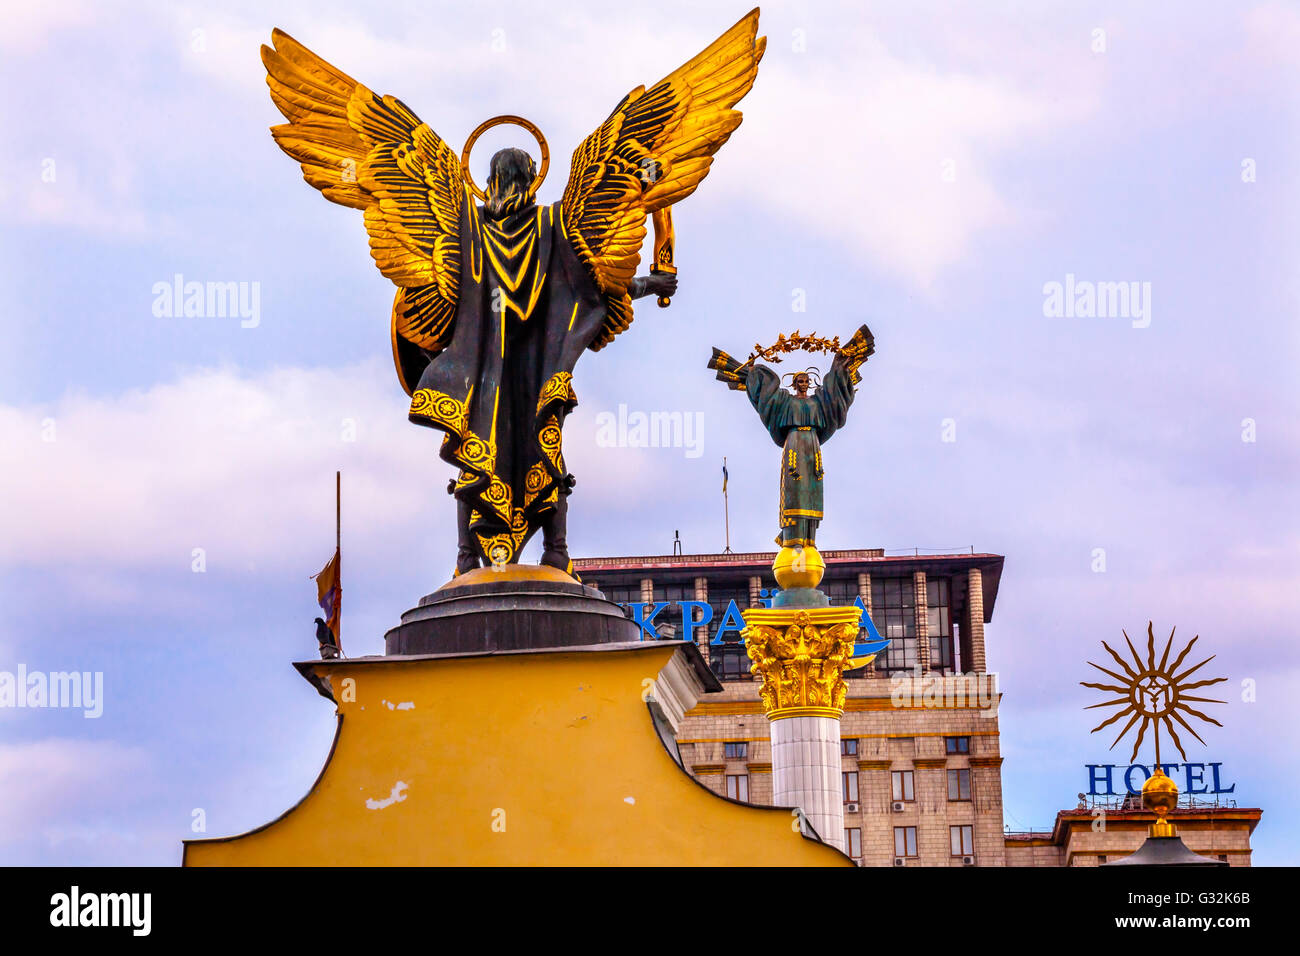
500,390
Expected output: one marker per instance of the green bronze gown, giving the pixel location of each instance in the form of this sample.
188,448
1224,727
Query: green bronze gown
799,426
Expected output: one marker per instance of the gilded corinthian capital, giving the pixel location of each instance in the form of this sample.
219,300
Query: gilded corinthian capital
801,654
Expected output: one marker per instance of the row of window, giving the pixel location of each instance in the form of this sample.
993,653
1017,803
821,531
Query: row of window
904,785
739,749
961,841
887,594
893,610
730,662
951,745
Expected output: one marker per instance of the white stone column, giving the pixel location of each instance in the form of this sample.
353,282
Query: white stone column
806,772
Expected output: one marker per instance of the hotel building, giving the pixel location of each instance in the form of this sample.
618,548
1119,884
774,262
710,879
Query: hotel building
921,755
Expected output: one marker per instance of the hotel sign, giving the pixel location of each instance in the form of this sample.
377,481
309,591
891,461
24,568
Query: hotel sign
1102,777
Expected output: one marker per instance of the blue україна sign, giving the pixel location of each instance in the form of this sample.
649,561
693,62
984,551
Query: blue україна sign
732,621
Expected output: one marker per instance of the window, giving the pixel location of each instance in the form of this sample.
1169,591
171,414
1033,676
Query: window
730,662
904,789
850,786
674,592
956,745
893,609
938,604
735,749
849,748
959,784
904,841
853,842
622,593
963,840
720,598
738,787
843,592
1101,858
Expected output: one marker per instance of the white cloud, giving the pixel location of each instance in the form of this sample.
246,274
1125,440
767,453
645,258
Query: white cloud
890,156
1273,33
29,26
98,200
235,464
848,139
212,460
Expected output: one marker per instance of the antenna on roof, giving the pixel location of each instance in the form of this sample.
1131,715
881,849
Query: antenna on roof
677,543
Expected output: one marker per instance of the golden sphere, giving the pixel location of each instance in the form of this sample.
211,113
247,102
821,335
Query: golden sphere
1159,793
798,567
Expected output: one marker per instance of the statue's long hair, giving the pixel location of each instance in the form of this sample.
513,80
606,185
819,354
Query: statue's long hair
511,173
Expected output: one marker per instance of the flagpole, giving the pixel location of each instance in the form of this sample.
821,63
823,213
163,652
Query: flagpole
338,550
726,507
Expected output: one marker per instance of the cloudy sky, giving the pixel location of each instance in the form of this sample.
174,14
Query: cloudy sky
166,482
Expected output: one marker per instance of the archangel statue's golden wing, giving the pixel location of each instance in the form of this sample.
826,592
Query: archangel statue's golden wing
372,153
654,149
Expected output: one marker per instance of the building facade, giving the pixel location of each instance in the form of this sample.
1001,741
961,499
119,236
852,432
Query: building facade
920,755
1087,837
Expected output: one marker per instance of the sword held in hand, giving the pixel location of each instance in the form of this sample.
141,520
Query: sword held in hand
664,241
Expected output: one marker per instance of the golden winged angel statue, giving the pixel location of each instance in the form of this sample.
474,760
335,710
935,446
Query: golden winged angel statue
498,296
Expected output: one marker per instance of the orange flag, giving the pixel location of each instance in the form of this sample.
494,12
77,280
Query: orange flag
329,594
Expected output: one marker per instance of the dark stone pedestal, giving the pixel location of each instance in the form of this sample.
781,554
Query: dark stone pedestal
1165,851
515,607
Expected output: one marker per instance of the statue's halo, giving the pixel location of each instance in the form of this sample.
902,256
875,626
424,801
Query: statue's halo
486,125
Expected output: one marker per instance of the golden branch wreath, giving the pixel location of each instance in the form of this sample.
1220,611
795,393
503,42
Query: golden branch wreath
797,342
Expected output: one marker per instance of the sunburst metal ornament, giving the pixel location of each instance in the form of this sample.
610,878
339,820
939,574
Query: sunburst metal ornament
1154,694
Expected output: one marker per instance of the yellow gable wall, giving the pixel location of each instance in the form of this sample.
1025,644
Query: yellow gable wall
530,759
